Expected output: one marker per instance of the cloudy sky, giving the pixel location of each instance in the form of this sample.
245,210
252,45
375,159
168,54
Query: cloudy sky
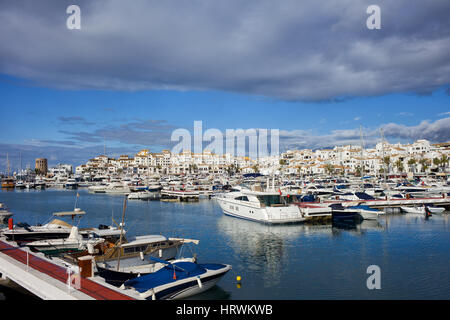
137,71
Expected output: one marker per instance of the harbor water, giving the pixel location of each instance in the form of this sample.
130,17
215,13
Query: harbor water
286,262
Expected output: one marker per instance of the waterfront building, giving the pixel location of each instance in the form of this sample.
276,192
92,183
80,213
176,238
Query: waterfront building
41,166
397,158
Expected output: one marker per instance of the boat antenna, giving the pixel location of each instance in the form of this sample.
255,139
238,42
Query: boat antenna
121,230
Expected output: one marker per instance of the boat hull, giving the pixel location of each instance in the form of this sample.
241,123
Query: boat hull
267,215
179,288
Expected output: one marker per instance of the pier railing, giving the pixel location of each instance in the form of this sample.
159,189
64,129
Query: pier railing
67,275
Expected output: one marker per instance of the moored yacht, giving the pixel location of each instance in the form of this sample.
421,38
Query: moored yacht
262,206
117,188
71,184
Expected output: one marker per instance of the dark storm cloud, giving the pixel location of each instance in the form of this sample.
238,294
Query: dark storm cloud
293,50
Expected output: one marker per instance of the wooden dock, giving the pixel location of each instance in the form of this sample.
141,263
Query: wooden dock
50,280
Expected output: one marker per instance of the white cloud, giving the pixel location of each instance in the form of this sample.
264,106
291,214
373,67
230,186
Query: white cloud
438,131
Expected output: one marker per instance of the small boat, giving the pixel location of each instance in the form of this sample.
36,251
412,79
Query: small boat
20,184
40,184
71,184
136,251
340,212
178,280
57,229
74,243
8,183
23,232
5,214
142,195
119,277
116,188
421,210
366,212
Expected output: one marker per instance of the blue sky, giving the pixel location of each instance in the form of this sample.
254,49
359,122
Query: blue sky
42,117
134,73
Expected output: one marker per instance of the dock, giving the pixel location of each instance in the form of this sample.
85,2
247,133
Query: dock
392,202
180,195
49,279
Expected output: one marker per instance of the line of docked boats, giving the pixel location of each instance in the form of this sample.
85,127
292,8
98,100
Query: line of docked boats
271,203
150,265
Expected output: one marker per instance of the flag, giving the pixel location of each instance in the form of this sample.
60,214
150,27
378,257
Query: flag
279,190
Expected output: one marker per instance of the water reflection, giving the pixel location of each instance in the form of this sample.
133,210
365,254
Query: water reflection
262,248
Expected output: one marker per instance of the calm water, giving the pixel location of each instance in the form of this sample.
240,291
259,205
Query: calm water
276,262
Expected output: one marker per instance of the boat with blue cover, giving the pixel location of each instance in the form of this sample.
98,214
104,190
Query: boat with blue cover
366,212
340,212
178,280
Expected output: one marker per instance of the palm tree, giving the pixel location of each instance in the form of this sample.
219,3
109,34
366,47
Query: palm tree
411,163
387,162
358,171
424,164
299,169
437,162
444,162
329,168
399,165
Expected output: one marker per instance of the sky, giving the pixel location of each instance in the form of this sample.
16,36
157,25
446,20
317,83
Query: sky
136,72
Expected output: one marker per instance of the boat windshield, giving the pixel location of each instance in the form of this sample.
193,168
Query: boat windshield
270,200
364,196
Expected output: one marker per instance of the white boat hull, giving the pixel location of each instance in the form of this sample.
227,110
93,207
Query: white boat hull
421,210
270,215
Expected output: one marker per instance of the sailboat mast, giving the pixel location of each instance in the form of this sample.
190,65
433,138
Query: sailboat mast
362,150
7,163
121,232
382,148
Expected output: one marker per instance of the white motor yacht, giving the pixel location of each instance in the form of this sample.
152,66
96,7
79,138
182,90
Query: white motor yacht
117,188
262,206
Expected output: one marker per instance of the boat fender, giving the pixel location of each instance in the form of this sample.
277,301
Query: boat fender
141,255
10,224
160,253
199,281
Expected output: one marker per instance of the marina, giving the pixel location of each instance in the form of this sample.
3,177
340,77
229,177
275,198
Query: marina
239,151
275,261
